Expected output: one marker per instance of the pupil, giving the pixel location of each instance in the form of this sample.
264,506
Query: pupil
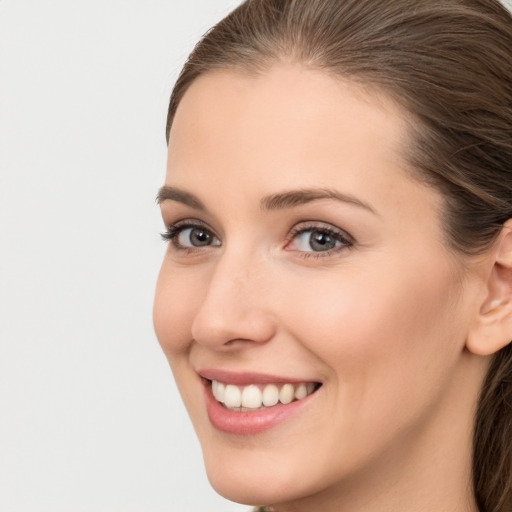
321,241
200,237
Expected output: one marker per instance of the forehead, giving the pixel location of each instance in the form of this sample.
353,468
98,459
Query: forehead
287,106
289,126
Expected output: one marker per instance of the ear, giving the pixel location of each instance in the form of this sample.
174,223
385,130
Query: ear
492,329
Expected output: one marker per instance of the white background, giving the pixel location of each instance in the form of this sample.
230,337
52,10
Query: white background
90,419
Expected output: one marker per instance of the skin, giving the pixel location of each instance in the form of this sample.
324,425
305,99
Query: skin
381,322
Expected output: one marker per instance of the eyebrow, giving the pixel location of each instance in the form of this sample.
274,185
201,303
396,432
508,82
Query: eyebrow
167,193
279,201
294,198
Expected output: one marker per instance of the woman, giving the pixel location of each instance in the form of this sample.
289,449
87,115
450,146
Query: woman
336,298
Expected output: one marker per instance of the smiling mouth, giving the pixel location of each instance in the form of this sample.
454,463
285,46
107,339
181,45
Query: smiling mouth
254,397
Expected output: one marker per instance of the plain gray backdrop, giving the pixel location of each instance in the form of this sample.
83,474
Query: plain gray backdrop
90,419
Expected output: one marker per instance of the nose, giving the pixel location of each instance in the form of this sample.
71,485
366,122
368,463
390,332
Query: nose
235,311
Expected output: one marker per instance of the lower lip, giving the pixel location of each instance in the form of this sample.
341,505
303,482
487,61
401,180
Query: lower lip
249,423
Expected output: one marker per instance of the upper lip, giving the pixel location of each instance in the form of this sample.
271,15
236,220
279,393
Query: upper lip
246,378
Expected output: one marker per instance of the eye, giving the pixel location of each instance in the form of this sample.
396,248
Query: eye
319,239
190,236
195,237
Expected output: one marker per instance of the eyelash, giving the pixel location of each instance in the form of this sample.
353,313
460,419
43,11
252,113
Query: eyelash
173,232
337,234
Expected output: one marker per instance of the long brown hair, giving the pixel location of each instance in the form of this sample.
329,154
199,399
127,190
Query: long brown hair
449,63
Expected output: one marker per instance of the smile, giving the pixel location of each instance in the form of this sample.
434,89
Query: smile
246,403
254,397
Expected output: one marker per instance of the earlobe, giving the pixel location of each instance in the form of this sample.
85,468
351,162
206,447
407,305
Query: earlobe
492,329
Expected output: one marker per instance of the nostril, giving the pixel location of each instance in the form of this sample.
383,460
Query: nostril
223,329
233,312
238,342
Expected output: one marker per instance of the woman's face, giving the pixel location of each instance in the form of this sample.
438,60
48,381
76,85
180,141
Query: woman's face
304,260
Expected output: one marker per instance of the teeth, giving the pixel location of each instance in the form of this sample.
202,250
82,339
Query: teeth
301,391
251,397
218,390
270,395
232,396
254,396
287,394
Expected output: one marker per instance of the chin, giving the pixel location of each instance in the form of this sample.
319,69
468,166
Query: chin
254,489
257,479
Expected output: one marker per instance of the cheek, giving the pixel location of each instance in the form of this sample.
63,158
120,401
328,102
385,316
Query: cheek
176,298
385,336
